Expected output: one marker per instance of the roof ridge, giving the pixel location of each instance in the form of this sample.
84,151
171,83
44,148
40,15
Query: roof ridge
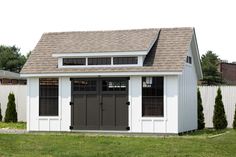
119,30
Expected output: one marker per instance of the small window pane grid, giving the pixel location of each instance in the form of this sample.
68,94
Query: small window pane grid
125,60
152,96
85,85
189,60
48,97
74,61
114,85
99,61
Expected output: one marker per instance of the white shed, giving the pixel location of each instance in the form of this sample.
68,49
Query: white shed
134,81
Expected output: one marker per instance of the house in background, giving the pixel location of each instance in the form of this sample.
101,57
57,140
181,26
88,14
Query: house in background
137,81
228,72
7,77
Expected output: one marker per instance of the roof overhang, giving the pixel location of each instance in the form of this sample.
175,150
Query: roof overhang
97,54
196,57
87,74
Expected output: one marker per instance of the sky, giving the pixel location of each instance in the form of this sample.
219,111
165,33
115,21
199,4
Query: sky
22,22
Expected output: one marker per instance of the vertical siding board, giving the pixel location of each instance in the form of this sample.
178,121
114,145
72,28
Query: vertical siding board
208,94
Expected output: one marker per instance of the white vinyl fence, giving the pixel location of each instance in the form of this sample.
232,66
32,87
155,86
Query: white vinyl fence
208,94
20,92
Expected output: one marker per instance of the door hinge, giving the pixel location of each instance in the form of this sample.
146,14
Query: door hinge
127,128
71,103
127,103
71,127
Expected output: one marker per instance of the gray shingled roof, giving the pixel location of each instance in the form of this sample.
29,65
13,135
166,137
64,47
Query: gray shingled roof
168,53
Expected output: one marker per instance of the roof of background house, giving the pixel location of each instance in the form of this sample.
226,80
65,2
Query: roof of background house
169,47
9,75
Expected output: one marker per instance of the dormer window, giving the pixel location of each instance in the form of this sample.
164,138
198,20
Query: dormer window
125,60
74,61
99,61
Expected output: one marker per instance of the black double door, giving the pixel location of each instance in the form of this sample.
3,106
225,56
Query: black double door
99,104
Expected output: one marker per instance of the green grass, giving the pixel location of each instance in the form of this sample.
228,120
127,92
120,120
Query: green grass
66,144
19,125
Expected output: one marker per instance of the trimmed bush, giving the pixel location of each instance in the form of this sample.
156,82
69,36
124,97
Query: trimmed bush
201,124
11,114
0,113
219,117
234,123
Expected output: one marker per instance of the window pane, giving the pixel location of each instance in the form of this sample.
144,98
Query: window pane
48,97
125,60
114,85
74,61
99,61
152,96
85,85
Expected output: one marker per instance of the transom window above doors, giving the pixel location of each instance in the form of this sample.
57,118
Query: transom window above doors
100,61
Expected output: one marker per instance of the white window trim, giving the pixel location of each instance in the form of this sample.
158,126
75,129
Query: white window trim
140,63
100,54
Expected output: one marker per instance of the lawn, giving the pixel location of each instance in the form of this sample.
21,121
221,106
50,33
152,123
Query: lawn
73,144
18,125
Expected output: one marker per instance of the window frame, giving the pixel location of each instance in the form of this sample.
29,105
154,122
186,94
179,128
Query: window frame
139,62
56,96
162,115
73,64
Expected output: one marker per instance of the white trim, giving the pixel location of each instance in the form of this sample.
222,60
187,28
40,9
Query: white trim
96,54
102,74
139,63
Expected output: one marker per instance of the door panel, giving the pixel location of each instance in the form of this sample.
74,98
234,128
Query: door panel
93,113
121,112
108,112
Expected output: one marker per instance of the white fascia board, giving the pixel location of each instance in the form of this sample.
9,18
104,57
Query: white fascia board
97,54
118,74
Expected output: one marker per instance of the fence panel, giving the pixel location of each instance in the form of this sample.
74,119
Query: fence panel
208,94
20,92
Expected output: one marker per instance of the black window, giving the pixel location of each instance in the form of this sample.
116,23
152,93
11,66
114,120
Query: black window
152,96
85,85
48,97
125,60
189,59
114,85
99,61
74,61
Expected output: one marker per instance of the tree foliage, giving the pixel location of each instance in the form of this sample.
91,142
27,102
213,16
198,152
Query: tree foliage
234,123
201,123
11,114
219,117
209,63
11,59
0,113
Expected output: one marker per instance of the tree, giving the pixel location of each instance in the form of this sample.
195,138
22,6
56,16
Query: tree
209,63
11,59
0,113
219,117
201,123
11,114
234,123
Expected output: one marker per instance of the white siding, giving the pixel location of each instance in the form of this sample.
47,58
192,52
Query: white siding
20,92
137,123
188,97
208,94
166,124
48,123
